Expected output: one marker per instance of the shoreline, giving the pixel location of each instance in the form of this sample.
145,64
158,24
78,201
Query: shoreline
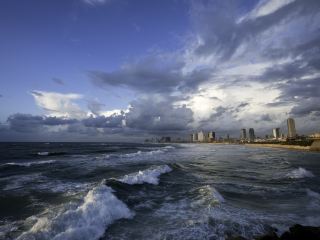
290,147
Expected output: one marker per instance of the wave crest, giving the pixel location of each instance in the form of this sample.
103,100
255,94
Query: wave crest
150,176
99,209
299,173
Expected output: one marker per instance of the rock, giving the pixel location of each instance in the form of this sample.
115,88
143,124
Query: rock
270,236
298,232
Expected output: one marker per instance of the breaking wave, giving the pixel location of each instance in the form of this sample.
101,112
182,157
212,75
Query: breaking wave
150,176
89,220
299,173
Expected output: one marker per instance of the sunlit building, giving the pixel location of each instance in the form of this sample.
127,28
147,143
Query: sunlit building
291,128
276,133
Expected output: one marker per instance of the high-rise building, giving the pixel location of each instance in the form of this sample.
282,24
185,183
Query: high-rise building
202,136
243,134
195,137
291,128
211,136
276,133
251,135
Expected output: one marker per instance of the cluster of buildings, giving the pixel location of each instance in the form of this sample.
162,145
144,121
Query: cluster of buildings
275,136
245,137
203,136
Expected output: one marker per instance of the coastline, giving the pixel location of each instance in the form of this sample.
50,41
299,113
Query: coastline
291,147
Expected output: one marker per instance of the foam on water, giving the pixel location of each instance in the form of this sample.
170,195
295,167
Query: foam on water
150,175
28,164
299,173
88,220
43,153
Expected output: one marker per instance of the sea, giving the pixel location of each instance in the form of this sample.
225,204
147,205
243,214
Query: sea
154,191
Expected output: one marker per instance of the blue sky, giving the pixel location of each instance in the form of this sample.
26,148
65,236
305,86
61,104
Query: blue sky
44,40
109,69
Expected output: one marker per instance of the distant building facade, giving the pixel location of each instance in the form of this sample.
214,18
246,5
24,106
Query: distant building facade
202,136
211,136
243,134
251,135
276,133
195,137
291,128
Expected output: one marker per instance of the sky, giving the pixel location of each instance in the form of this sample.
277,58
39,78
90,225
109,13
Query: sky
120,70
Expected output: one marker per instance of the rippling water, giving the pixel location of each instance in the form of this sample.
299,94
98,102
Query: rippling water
140,191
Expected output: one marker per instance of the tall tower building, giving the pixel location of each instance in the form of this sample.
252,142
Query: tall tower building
251,135
243,134
291,128
276,133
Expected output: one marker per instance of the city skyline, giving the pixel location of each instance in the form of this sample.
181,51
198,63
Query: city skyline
114,70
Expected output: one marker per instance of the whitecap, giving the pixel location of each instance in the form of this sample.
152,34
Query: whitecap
140,153
89,220
150,175
299,173
43,153
28,164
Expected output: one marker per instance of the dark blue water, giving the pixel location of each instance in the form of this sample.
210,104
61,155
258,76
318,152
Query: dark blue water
149,191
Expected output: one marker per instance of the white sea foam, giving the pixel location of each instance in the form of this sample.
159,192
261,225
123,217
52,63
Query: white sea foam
299,173
43,153
141,153
28,164
150,175
207,195
89,220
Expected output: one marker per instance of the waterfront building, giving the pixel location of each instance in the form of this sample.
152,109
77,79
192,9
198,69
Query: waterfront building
291,128
243,135
251,135
195,137
276,133
211,136
202,136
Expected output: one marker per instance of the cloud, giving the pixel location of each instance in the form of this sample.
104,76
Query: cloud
157,114
95,107
96,2
58,104
1,95
29,123
58,81
155,73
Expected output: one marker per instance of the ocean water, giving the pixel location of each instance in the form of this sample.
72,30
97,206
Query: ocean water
153,191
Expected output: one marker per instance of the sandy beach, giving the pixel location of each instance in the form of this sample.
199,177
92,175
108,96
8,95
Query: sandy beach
292,147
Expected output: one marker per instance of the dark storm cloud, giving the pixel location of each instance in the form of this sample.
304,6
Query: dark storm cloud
152,74
154,115
307,107
58,81
28,123
114,121
224,34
